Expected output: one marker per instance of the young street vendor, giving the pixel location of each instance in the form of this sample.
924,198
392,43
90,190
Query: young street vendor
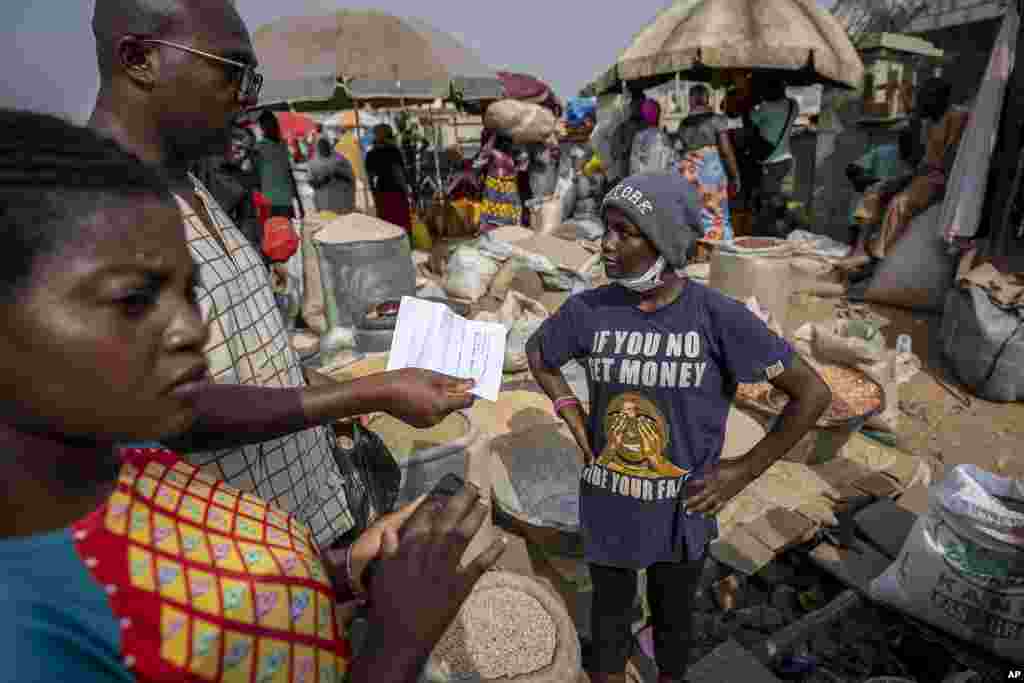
663,355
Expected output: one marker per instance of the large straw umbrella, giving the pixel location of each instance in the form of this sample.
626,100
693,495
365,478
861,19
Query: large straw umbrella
692,38
380,59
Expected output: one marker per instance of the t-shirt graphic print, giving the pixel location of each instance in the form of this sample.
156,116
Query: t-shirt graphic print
660,388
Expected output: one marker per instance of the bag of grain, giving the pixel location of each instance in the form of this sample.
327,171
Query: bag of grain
758,267
545,214
523,122
363,260
469,273
510,628
522,316
962,566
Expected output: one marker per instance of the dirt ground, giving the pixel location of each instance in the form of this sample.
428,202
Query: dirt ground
939,417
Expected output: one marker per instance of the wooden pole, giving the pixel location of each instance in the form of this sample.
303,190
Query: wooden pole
359,149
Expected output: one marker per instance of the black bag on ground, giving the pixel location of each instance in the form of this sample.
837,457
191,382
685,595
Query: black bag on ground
372,479
984,344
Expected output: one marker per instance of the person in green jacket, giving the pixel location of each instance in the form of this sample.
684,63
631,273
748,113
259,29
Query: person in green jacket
273,163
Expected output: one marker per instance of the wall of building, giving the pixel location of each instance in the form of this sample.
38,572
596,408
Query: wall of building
967,49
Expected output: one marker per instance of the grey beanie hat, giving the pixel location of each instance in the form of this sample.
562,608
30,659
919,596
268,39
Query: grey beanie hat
665,208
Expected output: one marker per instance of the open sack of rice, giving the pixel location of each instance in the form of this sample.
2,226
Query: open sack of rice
510,628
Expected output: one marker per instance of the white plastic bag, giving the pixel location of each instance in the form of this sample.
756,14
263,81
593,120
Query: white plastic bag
469,273
962,567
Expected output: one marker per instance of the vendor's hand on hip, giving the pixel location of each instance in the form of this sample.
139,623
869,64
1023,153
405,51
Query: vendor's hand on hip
718,488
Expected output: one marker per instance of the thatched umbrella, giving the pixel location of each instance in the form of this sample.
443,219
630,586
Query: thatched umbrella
692,38
379,57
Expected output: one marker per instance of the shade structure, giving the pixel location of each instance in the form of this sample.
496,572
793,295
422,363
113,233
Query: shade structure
296,87
379,56
797,38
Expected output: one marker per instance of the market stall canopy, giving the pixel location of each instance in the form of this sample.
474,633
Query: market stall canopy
794,37
291,87
377,55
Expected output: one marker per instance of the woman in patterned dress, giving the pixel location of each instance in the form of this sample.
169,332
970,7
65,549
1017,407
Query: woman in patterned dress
708,163
502,204
123,562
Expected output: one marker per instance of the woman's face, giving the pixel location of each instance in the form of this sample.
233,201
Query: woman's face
627,253
106,341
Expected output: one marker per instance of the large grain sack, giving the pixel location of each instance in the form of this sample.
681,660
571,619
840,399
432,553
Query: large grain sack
545,214
522,316
962,567
363,261
764,273
983,344
918,271
469,273
523,122
510,628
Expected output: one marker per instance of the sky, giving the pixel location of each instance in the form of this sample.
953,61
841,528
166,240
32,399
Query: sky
49,62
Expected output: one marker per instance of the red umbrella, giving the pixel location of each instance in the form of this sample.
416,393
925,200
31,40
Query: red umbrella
295,126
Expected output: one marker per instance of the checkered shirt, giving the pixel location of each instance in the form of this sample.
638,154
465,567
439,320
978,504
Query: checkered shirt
249,345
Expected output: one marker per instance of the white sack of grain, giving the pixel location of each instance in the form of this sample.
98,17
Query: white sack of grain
469,273
521,121
962,566
510,628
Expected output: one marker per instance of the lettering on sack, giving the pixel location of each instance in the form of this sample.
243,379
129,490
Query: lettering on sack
982,611
632,195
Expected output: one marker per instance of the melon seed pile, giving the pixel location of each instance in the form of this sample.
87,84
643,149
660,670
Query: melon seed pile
499,632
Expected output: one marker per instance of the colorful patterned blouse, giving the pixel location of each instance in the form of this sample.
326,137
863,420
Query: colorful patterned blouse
178,577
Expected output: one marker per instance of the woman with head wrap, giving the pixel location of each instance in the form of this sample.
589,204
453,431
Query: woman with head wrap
652,150
503,161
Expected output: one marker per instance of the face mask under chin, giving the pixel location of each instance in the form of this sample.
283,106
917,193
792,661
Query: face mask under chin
647,282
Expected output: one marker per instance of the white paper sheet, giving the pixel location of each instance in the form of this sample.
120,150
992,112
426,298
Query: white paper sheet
431,336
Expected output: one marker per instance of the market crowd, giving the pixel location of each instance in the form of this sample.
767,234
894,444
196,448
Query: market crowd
174,507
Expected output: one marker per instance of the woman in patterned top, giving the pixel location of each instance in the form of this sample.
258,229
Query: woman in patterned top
126,563
502,203
708,162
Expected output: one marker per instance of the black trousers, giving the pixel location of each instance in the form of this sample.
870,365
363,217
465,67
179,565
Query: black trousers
671,591
771,203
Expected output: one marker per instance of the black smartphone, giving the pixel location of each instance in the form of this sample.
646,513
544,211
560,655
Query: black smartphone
448,487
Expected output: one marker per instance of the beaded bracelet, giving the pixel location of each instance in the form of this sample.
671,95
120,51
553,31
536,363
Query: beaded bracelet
565,402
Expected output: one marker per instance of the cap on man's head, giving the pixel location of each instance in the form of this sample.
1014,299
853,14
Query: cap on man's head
665,208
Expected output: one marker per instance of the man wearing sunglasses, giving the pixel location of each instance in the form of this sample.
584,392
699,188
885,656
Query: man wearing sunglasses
174,76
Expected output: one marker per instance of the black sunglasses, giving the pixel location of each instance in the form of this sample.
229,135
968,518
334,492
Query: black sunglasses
250,83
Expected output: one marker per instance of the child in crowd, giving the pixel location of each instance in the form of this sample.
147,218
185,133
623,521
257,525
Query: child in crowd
663,357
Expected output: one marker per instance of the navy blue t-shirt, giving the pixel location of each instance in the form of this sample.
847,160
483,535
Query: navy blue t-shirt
661,385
